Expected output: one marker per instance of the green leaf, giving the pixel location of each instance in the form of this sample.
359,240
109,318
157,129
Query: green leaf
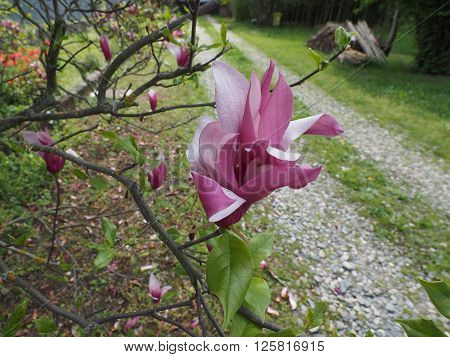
14,321
258,297
315,57
342,37
45,325
243,327
104,257
289,332
109,135
127,145
80,174
261,246
229,273
110,231
369,333
223,33
420,328
439,294
98,183
314,317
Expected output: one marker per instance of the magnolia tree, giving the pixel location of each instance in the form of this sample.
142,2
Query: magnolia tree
236,158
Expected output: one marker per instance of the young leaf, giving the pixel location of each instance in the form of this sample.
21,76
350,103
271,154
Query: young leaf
258,297
315,316
317,58
261,246
342,37
420,328
80,174
369,333
45,325
110,231
439,294
243,327
103,258
229,273
14,321
98,183
223,33
127,145
109,135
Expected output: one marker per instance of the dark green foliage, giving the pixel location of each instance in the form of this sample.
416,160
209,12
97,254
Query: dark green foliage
433,37
24,181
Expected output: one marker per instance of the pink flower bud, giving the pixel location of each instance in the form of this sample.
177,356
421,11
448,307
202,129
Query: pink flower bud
54,163
152,99
157,175
131,323
263,265
132,9
154,288
181,53
104,44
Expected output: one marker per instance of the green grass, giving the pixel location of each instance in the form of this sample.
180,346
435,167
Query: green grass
409,221
394,95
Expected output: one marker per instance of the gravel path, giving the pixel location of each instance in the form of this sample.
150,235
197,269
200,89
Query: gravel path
336,245
422,174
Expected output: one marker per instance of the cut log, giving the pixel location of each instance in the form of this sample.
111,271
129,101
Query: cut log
367,41
365,47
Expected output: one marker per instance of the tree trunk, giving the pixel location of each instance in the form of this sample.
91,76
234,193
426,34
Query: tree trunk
392,34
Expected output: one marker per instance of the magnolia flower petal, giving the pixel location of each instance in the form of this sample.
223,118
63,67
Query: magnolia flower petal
274,177
173,49
247,129
165,289
30,137
277,113
214,140
272,311
154,287
284,292
217,201
235,216
322,124
292,300
231,94
282,155
193,149
266,82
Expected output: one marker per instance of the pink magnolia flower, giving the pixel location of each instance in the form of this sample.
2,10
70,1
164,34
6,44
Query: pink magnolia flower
131,323
154,288
181,53
157,175
54,163
244,156
132,9
263,265
152,99
178,32
104,44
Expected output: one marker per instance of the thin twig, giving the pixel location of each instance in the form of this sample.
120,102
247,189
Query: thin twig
318,69
214,234
193,33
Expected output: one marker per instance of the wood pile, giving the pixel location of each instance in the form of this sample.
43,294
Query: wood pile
364,46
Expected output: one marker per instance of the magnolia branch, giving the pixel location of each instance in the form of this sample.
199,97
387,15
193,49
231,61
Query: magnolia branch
83,322
194,274
318,69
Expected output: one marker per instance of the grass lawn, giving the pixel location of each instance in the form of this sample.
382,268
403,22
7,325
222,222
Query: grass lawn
410,221
395,95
